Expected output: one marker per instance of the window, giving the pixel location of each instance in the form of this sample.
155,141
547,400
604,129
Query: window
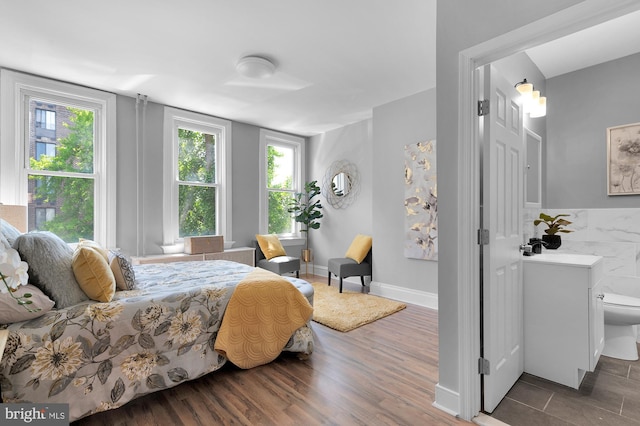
197,176
45,119
43,215
58,156
45,148
281,176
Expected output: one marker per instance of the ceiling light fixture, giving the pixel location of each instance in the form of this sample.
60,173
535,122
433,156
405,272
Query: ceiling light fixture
532,102
255,67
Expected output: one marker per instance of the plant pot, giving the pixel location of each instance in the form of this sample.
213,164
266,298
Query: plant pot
307,256
552,241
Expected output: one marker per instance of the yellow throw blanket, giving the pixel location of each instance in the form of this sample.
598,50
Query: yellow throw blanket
263,312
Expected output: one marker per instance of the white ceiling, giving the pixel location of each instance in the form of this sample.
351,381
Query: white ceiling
336,59
601,43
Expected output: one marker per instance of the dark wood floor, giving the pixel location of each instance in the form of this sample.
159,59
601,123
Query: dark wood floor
382,373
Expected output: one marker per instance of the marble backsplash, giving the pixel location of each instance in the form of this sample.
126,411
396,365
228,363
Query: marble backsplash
613,234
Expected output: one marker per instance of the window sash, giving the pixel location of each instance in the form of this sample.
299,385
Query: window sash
175,119
17,89
269,137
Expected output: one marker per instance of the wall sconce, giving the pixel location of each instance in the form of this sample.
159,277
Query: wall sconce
534,104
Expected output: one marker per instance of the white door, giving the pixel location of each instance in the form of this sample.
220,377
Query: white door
502,194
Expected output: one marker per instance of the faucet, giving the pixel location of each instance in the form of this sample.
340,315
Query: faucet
536,245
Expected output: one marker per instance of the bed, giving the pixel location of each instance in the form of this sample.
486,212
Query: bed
163,331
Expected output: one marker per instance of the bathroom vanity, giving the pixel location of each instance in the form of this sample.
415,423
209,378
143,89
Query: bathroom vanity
563,316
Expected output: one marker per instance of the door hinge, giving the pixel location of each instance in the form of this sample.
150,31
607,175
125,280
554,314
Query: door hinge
483,237
483,107
484,366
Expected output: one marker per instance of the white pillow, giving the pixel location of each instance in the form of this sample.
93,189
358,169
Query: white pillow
11,312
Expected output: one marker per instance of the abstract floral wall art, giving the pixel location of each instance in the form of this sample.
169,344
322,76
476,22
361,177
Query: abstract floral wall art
623,159
421,201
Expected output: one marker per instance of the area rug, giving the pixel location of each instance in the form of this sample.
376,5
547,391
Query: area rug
349,310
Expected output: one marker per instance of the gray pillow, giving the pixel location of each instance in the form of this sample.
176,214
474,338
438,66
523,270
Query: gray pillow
9,231
49,260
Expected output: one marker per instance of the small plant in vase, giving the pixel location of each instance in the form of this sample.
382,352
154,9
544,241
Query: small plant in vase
307,211
555,224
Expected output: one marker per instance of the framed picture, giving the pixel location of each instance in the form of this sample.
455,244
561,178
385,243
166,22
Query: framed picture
623,159
421,201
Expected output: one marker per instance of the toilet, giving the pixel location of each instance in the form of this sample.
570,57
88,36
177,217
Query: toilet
621,316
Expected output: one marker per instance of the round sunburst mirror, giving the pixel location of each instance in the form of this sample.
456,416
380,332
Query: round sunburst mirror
340,184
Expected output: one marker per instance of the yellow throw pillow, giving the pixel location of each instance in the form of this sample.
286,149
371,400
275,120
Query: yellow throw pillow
89,243
270,246
359,248
93,274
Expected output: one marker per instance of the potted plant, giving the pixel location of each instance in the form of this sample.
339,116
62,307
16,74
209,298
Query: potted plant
555,224
307,211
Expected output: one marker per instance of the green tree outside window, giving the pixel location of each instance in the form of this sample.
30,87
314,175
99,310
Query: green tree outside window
280,219
72,196
196,191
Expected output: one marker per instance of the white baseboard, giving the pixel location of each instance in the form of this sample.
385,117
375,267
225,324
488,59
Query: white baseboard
447,400
403,294
390,291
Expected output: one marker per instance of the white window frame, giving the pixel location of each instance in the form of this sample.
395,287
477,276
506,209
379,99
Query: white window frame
269,137
173,119
15,89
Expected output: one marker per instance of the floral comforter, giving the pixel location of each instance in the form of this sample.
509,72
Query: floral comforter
98,356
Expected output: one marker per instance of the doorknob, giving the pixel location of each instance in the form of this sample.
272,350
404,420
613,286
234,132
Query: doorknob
526,249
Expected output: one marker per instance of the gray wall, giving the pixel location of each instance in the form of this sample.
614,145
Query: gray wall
246,178
126,202
376,147
146,185
581,105
407,121
153,175
352,143
245,182
462,24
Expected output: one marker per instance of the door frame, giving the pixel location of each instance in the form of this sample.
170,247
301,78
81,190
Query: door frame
583,15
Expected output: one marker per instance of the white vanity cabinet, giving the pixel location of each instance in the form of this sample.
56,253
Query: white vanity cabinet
563,316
